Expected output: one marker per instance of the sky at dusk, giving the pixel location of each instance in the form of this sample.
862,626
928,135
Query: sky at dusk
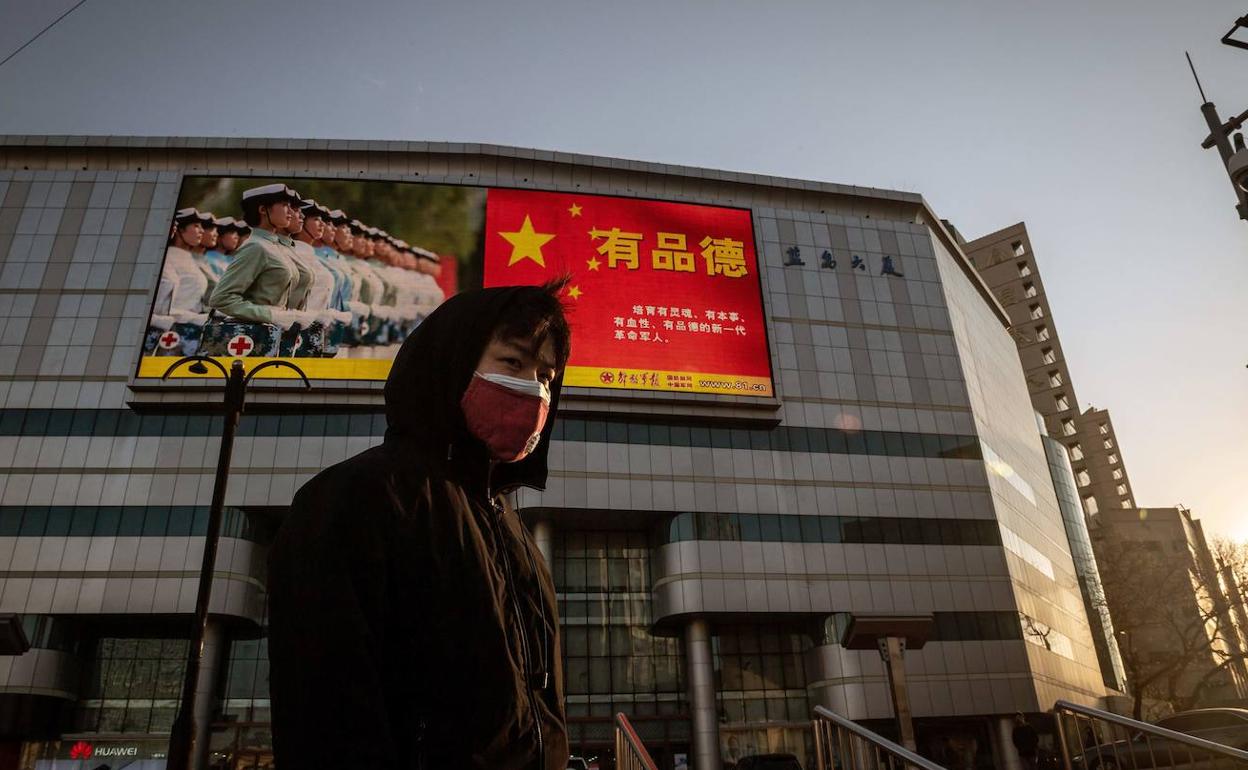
1081,119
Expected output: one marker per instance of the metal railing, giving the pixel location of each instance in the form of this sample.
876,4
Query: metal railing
843,745
630,752
1092,739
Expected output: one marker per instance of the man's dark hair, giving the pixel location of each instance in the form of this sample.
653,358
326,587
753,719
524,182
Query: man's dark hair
539,316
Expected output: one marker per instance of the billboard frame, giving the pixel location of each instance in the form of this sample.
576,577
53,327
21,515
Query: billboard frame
196,394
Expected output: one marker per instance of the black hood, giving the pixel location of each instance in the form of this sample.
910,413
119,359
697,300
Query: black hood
428,378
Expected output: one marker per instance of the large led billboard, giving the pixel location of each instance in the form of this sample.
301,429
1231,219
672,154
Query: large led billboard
334,274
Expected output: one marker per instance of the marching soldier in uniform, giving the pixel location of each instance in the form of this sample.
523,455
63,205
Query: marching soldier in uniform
431,294
177,314
371,288
209,241
384,301
208,246
244,232
321,289
342,247
298,293
217,257
251,298
336,264
230,236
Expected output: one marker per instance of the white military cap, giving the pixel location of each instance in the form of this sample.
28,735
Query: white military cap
267,192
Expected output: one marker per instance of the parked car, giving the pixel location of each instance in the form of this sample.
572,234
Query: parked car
577,763
1225,726
769,762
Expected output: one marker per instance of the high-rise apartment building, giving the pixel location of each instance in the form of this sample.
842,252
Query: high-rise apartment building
1178,612
1008,265
1101,472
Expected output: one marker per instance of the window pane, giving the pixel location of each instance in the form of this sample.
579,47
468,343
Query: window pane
596,431
769,526
751,528
638,433
790,529
617,432
59,517
10,521
810,529
82,523
573,430
34,522
156,521
132,517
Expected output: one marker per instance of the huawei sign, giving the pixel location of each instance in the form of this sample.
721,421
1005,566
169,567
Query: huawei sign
85,750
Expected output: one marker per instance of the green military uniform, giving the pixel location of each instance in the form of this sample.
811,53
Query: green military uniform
259,278
298,298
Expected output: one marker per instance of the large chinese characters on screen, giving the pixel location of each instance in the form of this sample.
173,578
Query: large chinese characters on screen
663,296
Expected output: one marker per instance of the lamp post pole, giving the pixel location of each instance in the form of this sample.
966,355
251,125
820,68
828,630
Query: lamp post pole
182,747
1225,136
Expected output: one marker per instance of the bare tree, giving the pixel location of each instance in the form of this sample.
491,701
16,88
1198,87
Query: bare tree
1180,625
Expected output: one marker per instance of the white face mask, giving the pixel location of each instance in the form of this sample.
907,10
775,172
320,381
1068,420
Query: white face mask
528,387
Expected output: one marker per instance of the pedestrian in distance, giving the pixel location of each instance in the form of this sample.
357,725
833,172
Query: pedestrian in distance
1026,741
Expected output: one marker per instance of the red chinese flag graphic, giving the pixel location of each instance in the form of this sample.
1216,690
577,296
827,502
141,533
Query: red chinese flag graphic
663,296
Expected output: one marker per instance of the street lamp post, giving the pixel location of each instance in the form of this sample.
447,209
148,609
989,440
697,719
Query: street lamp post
182,737
1225,136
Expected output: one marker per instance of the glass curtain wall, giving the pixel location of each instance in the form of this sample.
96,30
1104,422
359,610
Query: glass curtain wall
133,686
760,686
611,660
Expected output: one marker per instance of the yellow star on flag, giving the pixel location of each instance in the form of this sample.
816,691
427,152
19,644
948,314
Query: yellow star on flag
593,263
575,210
526,243
575,292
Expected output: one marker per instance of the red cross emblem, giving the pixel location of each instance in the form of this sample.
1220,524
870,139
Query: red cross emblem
170,340
240,345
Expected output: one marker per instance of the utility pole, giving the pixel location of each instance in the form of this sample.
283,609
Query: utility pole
1225,136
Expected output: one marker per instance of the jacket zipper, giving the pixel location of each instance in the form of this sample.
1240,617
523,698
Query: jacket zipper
524,634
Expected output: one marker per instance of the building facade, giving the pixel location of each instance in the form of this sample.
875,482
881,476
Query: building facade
1178,610
1007,263
1101,473
1113,672
708,550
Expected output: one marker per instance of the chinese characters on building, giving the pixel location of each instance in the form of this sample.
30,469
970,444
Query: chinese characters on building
827,261
646,379
659,323
720,256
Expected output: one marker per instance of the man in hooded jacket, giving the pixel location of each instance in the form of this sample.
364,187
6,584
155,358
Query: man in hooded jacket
412,620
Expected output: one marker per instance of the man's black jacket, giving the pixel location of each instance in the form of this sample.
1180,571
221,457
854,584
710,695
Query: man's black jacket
411,618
